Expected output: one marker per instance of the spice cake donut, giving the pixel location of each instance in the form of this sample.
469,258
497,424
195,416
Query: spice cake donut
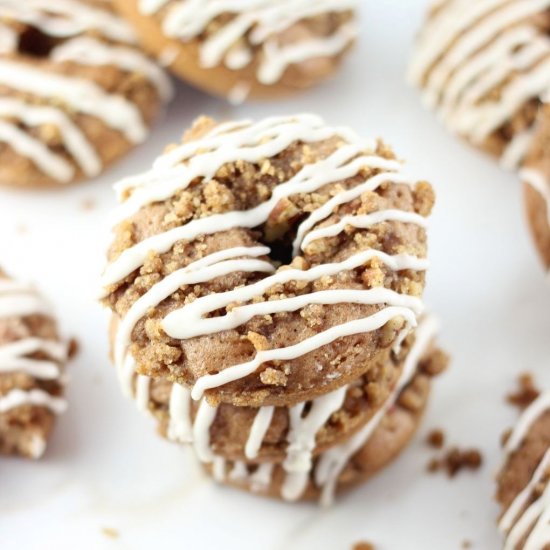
32,360
311,449
484,66
536,178
523,482
76,93
258,48
269,263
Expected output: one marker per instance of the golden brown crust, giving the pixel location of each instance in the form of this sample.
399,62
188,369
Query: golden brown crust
240,186
184,57
109,144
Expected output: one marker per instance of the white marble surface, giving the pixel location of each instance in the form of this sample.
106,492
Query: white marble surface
107,468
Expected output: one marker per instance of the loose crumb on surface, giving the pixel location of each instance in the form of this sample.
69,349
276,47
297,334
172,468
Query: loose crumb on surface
436,439
110,532
525,393
363,546
87,204
74,348
455,460
466,544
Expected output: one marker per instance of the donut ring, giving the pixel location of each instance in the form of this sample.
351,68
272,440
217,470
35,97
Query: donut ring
32,360
282,452
262,48
218,213
75,92
484,66
522,483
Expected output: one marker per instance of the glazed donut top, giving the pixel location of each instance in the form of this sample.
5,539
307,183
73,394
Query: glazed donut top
485,66
233,32
526,518
195,272
49,55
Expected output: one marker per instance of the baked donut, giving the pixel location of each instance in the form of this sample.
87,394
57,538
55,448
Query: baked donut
32,360
267,263
76,94
309,450
484,66
259,48
523,482
536,178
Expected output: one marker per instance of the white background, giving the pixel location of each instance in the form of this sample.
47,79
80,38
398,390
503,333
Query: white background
107,468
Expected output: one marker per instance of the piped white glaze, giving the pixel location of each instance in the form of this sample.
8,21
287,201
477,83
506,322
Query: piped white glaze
35,398
255,25
64,97
259,428
529,513
467,50
540,183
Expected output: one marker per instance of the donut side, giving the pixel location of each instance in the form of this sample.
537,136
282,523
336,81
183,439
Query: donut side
352,245
76,94
522,483
296,47
32,362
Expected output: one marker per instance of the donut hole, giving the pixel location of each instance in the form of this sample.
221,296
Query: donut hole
281,252
36,43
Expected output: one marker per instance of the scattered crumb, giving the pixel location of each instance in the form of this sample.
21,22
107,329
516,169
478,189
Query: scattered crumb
436,439
466,544
21,228
110,532
74,348
363,546
526,392
88,204
455,460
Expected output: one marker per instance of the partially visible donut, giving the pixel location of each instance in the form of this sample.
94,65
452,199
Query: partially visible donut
523,481
32,361
484,66
76,93
259,48
195,270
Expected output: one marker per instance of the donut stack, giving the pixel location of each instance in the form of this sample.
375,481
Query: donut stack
524,480
485,68
76,93
32,360
265,281
257,48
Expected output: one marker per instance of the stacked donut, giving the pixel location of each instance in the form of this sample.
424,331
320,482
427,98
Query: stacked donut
32,360
257,48
265,281
76,93
523,482
484,66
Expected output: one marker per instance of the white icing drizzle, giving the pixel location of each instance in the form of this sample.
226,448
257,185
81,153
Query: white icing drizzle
13,357
70,21
35,397
142,392
74,139
90,51
179,412
206,414
254,143
17,299
37,446
332,462
78,94
469,49
257,24
523,518
259,428
260,480
65,18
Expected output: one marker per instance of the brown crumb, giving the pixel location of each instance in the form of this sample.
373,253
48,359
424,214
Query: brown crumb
455,460
363,546
526,392
74,348
110,532
466,544
436,439
87,204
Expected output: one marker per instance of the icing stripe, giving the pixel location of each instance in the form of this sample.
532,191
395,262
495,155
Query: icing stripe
36,398
259,428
